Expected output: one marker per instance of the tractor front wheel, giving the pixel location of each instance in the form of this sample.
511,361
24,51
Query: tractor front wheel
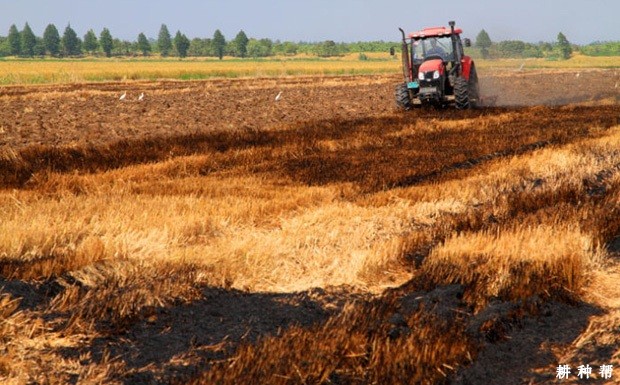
403,98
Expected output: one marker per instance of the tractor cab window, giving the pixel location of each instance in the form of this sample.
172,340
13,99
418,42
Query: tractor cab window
433,46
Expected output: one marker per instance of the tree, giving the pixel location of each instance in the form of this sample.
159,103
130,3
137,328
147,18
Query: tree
327,49
290,48
143,44
565,48
533,50
28,41
71,45
106,42
545,46
483,41
218,43
39,47
241,44
117,47
15,44
51,40
511,48
260,48
199,47
181,43
164,42
90,42
611,48
125,47
4,46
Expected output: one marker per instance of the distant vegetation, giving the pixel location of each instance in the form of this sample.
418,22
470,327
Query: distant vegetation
560,49
25,43
611,48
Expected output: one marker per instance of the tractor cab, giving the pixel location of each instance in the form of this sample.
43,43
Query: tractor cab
436,41
425,48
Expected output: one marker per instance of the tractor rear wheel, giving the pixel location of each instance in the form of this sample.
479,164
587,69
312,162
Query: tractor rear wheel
467,93
403,98
461,93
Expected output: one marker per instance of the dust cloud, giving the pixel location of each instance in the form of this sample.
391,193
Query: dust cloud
549,87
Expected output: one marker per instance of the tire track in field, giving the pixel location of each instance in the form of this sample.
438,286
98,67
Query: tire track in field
371,152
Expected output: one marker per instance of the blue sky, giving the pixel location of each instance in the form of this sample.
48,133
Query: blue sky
316,20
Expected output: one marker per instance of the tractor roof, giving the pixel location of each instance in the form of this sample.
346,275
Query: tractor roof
433,32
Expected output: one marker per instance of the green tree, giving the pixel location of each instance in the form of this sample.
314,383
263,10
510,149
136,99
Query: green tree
483,41
327,49
126,48
71,44
39,47
545,46
90,42
123,48
286,48
106,42
117,47
28,41
218,43
564,46
15,44
260,48
4,46
532,50
164,41
199,47
143,44
611,48
510,48
51,40
241,44
268,46
181,43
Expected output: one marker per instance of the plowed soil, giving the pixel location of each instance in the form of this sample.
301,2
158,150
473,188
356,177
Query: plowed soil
77,115
66,127
87,128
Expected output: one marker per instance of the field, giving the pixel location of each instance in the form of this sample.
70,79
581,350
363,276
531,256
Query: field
39,71
209,234
53,71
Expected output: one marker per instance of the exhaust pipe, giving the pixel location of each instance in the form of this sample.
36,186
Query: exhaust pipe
455,48
407,71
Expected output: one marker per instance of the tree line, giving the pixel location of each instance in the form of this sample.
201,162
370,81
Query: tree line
25,43
561,49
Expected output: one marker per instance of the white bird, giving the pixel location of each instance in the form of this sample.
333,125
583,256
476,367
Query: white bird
123,96
578,75
141,96
279,96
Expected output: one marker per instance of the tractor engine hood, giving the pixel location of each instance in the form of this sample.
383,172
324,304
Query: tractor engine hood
432,66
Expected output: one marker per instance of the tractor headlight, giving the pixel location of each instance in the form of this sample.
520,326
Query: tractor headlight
421,75
436,75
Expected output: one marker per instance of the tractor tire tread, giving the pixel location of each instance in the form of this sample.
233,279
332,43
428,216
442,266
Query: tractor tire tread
403,98
461,93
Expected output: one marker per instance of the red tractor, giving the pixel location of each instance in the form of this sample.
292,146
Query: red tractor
437,71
